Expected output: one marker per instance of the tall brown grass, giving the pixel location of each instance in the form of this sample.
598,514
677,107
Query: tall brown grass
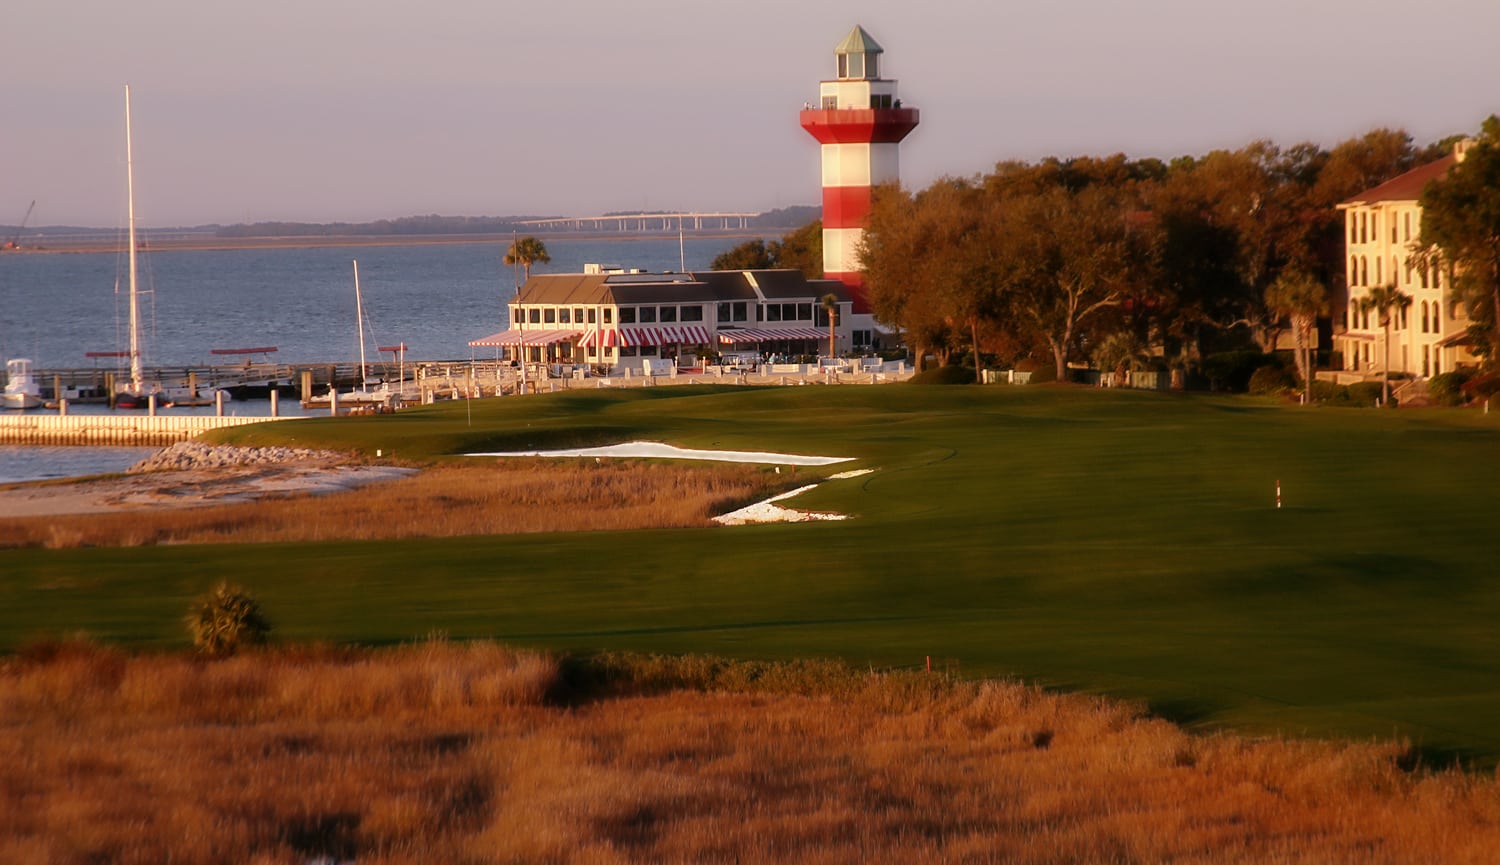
507,497
476,753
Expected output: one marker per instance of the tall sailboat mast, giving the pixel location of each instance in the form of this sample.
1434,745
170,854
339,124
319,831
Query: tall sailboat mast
136,380
359,317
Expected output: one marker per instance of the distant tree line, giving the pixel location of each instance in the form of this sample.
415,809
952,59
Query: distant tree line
1129,263
785,217
409,225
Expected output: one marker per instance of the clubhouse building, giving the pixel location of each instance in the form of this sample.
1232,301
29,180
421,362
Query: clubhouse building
613,319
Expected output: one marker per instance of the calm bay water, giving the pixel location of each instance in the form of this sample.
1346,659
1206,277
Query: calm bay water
435,298
32,463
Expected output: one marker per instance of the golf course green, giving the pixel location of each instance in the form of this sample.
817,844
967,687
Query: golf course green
1121,542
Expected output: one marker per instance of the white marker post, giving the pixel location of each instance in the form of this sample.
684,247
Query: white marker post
1278,495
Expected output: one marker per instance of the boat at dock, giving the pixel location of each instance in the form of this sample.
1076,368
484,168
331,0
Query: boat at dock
21,389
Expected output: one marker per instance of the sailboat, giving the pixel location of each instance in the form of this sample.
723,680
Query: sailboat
138,393
362,396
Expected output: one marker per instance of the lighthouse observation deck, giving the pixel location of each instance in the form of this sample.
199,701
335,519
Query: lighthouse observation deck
859,125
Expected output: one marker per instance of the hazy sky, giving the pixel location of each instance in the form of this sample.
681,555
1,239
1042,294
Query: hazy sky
324,110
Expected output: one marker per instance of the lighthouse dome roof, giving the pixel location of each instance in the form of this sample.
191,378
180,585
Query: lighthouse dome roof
859,42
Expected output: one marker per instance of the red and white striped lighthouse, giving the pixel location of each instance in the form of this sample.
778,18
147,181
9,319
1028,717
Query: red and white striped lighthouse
860,123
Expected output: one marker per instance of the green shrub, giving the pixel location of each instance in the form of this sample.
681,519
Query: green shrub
1272,381
1448,388
945,375
1042,373
225,619
1231,370
1328,393
1366,394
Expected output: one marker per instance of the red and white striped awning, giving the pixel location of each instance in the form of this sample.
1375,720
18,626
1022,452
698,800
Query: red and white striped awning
528,336
683,334
743,335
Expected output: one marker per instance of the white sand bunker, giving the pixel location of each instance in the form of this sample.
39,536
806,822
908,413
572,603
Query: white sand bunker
769,512
658,450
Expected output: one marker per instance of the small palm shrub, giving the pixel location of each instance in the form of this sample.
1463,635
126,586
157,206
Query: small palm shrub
225,619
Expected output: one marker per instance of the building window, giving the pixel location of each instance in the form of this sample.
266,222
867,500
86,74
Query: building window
1353,228
668,313
647,315
549,316
692,313
1402,325
804,312
627,350
648,351
565,316
1407,229
1364,270
516,315
1408,271
723,311
592,313
608,314
534,316
742,311
578,315
1364,227
1352,321
1375,227
1424,316
1378,278
627,315
1354,270
831,102
773,312
862,338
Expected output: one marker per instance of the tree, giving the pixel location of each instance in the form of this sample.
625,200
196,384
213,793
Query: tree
1298,297
800,249
750,255
830,303
1461,221
1386,300
527,251
1065,257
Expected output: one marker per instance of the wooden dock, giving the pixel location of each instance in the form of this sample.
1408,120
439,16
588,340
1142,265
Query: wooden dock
116,430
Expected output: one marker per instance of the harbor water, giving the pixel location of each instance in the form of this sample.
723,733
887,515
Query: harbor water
55,307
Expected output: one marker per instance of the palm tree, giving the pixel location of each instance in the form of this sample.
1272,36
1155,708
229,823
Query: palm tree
1301,299
1385,300
830,303
527,251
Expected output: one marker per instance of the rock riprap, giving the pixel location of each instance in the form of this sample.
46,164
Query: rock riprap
196,455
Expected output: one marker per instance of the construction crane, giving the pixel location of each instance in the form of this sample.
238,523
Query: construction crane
15,240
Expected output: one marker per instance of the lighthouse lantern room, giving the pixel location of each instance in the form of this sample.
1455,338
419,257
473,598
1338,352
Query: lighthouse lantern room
859,122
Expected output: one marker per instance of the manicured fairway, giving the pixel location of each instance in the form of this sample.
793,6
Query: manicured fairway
1100,540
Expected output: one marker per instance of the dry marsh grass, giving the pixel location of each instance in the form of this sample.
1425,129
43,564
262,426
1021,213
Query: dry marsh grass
477,753
448,500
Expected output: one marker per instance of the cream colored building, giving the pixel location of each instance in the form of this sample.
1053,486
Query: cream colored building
1381,229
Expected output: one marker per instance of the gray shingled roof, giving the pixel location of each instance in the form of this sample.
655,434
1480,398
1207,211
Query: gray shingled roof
859,42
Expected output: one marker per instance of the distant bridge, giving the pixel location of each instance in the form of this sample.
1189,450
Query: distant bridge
645,222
